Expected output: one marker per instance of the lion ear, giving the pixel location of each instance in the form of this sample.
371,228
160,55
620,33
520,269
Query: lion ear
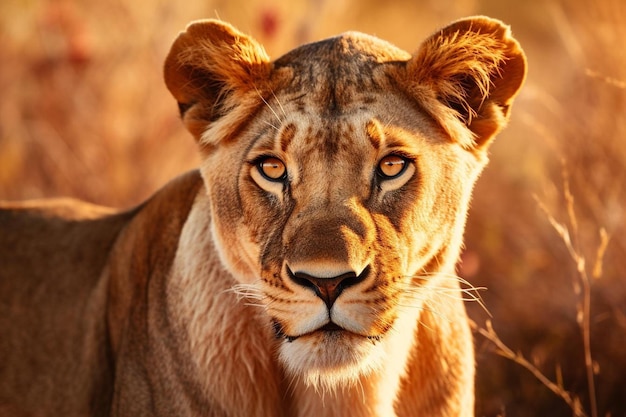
466,76
209,68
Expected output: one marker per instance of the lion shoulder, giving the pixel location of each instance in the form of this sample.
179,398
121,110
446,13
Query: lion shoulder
56,258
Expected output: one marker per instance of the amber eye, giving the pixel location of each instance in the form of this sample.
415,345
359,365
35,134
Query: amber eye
391,166
273,169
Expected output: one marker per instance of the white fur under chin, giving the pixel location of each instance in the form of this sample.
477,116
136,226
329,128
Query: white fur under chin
328,361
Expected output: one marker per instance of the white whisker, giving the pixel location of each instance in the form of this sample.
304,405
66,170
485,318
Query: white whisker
274,127
270,107
282,110
249,291
254,305
469,294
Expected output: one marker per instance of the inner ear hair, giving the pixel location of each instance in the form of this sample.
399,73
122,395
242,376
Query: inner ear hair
210,67
466,76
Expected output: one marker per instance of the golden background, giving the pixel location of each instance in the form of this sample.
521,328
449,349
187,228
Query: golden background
84,113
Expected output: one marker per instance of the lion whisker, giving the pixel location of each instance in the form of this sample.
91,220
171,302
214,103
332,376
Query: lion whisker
452,277
247,291
447,275
271,125
469,294
263,306
270,107
282,110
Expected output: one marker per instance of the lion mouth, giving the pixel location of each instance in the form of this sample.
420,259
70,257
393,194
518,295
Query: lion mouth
329,328
279,332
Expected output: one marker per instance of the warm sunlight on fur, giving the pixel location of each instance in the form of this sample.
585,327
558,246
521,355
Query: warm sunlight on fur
306,269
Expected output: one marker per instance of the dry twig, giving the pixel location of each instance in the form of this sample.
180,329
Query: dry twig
583,307
569,234
503,350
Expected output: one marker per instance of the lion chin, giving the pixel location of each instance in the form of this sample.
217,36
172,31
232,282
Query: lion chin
331,357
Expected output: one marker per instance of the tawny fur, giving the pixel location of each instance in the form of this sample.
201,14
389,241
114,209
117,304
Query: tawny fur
328,291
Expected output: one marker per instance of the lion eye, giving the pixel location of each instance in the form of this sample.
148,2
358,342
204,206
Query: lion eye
391,166
273,169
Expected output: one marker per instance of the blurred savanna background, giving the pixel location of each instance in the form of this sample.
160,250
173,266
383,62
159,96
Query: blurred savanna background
84,113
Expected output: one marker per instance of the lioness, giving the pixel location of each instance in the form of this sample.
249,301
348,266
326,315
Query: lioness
307,268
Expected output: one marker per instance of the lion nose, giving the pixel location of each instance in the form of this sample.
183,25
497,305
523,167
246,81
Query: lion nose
328,289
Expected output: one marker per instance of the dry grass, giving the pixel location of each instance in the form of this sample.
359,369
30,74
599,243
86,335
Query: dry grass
552,301
568,232
84,112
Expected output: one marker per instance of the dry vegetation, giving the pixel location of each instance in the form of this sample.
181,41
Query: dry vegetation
84,112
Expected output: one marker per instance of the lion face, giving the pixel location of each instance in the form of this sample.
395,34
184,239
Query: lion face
333,215
339,177
338,232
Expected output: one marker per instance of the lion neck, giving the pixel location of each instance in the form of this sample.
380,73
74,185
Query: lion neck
229,342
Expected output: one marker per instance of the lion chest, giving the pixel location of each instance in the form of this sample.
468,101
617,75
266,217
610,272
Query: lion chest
228,341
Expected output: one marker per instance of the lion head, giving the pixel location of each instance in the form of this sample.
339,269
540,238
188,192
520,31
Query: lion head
340,174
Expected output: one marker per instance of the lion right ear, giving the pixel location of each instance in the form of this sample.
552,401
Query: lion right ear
208,70
466,76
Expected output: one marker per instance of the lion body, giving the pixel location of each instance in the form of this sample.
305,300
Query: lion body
307,268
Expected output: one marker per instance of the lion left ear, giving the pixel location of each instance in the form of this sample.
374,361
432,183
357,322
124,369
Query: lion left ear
210,66
466,76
